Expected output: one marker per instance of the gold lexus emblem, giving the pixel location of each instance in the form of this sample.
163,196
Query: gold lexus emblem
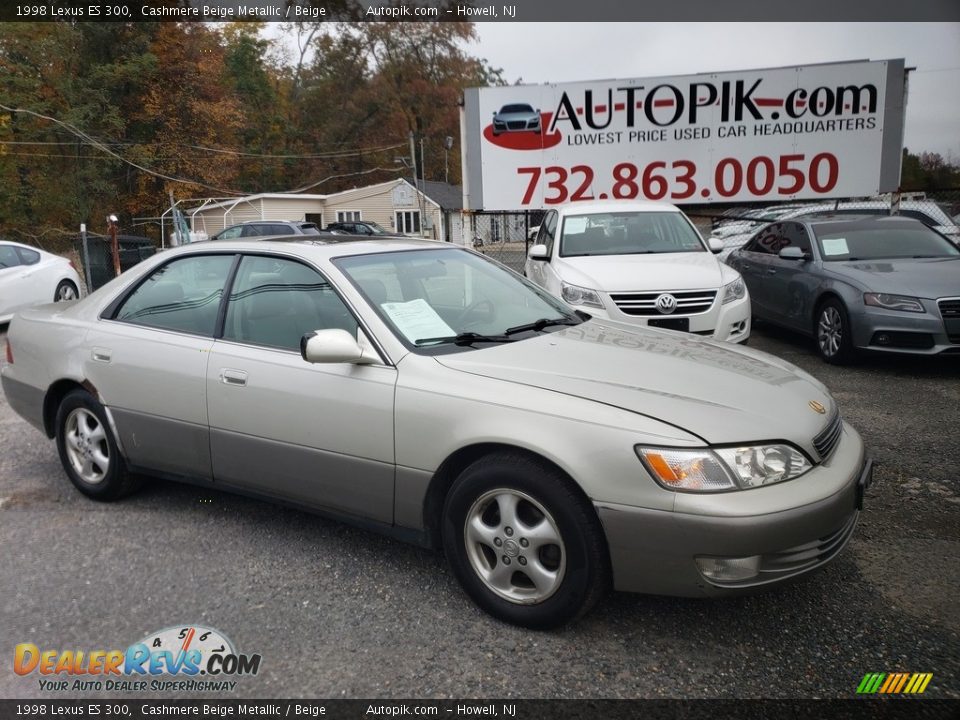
814,405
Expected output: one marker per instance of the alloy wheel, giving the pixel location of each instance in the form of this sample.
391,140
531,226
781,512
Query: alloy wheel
87,446
514,546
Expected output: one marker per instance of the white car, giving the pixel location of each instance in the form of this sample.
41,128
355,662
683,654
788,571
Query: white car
639,262
30,277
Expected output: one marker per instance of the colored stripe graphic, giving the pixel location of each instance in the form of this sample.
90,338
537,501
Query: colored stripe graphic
894,683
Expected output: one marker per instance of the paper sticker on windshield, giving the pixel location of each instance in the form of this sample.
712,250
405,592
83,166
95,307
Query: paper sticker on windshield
834,246
574,225
417,320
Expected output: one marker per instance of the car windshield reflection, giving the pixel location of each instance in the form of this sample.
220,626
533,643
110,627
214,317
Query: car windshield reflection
627,233
450,299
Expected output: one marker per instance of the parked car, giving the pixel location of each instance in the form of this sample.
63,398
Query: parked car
927,212
358,227
642,263
29,276
428,392
889,284
517,117
267,228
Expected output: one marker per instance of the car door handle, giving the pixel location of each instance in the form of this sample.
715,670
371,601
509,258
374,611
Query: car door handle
745,266
771,271
101,354
233,377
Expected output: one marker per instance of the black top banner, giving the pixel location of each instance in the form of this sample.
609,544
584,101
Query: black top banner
475,10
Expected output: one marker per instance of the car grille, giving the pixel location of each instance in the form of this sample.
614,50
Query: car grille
517,124
806,556
950,311
689,302
826,441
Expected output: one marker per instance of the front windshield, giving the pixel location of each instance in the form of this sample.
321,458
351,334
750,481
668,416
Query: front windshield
628,233
850,242
433,298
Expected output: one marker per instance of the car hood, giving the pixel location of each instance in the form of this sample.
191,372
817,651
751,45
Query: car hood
646,272
927,278
722,393
525,115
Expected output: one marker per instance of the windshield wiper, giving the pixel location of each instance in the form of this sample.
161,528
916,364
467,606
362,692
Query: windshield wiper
539,325
467,338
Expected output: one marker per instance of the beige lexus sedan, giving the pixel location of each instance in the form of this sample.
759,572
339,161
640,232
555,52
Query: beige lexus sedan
422,390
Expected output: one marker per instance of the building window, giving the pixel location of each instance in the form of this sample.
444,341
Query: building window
348,215
408,221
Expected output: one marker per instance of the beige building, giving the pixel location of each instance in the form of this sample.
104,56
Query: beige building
433,212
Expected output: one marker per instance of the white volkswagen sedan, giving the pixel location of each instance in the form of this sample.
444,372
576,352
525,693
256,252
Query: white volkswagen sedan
639,262
29,276
427,392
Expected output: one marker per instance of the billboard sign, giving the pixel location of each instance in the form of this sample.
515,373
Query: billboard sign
805,133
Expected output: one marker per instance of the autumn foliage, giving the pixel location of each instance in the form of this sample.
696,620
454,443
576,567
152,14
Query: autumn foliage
101,118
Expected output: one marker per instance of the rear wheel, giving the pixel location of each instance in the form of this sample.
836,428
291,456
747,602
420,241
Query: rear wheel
524,543
66,290
88,450
833,333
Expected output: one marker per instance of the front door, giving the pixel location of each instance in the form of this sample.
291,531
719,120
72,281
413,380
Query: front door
320,435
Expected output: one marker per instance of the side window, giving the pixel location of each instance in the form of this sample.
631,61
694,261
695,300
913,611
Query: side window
795,234
8,256
230,233
182,295
768,241
275,301
29,257
253,230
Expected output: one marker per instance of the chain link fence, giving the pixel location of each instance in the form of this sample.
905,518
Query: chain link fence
504,236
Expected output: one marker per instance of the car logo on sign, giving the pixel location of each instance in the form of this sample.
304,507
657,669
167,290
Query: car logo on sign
666,303
818,407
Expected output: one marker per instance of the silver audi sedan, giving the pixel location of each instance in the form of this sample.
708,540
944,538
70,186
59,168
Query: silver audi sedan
427,392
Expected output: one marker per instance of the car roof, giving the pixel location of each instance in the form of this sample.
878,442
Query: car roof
320,246
596,207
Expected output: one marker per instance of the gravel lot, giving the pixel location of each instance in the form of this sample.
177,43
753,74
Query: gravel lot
339,612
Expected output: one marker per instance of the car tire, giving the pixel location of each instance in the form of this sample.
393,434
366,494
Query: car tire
833,334
66,290
524,543
88,450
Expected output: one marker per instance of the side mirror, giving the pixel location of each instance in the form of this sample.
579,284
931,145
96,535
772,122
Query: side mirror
334,346
715,245
792,252
538,252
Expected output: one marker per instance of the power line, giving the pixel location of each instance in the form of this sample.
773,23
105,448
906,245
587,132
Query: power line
104,148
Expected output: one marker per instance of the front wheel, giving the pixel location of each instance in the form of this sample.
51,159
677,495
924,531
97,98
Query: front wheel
88,451
833,332
523,542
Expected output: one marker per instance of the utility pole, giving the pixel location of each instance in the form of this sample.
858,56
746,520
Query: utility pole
114,244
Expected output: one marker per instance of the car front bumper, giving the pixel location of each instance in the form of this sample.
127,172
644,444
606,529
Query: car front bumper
904,332
657,552
723,321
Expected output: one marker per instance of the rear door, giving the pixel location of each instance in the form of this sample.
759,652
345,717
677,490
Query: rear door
148,360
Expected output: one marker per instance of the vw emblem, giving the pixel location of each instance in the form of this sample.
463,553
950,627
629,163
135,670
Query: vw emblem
666,303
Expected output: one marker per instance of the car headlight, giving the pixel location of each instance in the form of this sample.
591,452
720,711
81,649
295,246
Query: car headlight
734,291
576,295
893,302
723,468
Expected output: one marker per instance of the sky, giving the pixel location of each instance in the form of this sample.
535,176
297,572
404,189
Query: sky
566,52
